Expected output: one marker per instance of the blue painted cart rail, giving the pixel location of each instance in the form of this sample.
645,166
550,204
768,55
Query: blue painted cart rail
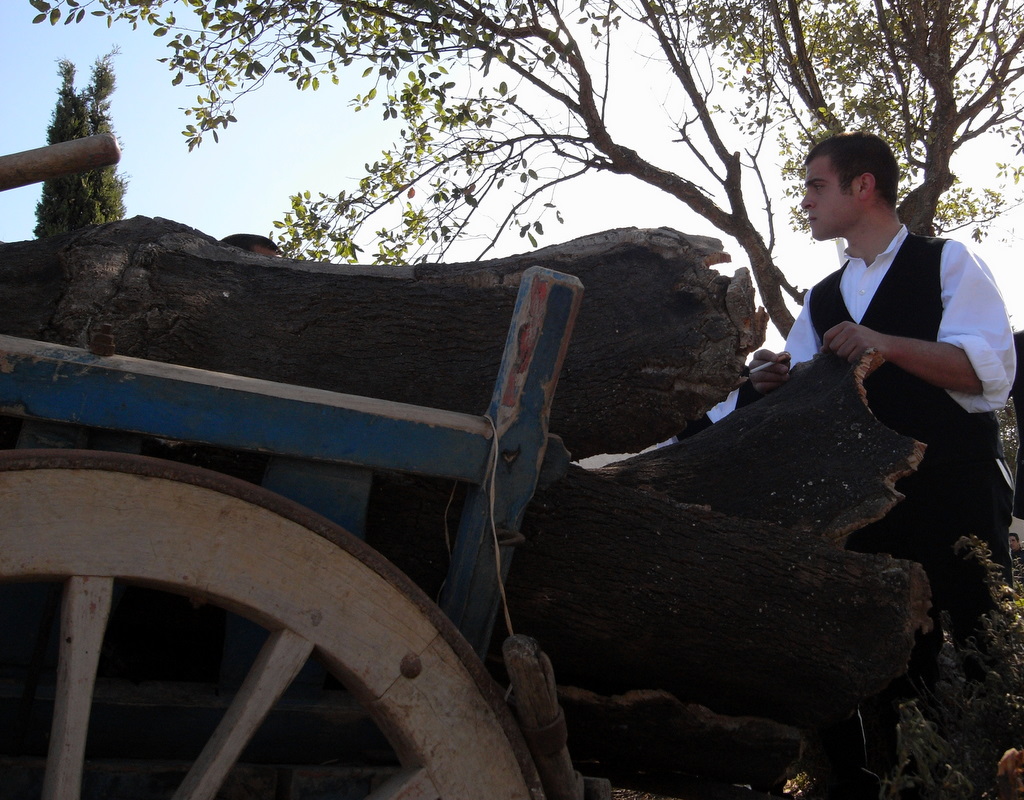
64,384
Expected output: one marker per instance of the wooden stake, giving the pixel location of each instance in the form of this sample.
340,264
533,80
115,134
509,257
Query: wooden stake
541,718
63,158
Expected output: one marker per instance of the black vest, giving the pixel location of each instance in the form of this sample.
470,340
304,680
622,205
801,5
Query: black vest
909,303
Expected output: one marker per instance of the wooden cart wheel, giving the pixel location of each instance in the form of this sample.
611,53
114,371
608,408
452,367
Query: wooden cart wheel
88,519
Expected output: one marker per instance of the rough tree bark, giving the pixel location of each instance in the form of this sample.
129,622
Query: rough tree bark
627,590
660,338
755,463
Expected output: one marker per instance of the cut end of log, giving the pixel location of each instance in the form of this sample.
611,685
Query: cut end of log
713,259
920,603
739,300
870,360
860,516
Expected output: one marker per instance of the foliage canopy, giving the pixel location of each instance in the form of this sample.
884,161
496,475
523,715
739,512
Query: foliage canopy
496,103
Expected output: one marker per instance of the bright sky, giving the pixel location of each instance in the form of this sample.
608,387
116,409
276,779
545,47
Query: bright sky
288,141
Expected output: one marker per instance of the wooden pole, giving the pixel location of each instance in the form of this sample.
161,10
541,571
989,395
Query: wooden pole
63,158
541,718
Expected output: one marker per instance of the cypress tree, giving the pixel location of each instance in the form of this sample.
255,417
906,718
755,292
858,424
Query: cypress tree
87,198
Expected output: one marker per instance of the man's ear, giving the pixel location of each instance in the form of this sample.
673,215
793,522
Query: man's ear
863,185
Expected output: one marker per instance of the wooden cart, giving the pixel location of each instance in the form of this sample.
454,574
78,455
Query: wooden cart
337,676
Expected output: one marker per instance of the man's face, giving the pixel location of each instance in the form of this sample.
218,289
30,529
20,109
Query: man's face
830,211
263,250
1014,543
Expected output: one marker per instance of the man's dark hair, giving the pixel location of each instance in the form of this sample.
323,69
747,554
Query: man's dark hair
249,241
854,153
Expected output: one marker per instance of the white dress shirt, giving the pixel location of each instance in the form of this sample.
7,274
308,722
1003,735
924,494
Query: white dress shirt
973,318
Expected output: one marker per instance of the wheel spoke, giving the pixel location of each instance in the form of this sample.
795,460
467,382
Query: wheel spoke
153,523
274,669
84,611
408,784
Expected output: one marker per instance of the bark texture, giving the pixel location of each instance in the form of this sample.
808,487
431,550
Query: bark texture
738,603
810,456
661,335
631,591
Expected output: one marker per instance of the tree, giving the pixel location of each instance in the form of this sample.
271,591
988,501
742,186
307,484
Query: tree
73,201
498,103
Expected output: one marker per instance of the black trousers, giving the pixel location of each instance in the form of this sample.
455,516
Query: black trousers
942,504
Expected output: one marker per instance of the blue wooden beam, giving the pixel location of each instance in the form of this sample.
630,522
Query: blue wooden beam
537,342
64,384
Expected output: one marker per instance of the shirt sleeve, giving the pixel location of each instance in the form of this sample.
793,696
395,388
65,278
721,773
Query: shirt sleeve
974,319
803,343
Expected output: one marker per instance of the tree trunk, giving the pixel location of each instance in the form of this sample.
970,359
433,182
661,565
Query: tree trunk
626,590
660,338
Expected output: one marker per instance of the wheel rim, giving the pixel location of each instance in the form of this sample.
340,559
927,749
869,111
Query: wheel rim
314,586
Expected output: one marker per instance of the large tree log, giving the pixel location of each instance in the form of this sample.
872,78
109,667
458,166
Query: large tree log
762,625
660,338
763,461
631,591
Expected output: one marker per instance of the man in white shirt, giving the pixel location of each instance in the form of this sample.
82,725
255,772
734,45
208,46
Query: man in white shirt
933,310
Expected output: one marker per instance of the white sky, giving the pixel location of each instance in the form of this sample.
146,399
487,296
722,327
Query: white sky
288,141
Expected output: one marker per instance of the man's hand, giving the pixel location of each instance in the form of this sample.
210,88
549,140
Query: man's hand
768,370
849,341
938,363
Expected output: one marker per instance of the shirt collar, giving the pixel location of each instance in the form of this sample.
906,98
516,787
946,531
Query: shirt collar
887,255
